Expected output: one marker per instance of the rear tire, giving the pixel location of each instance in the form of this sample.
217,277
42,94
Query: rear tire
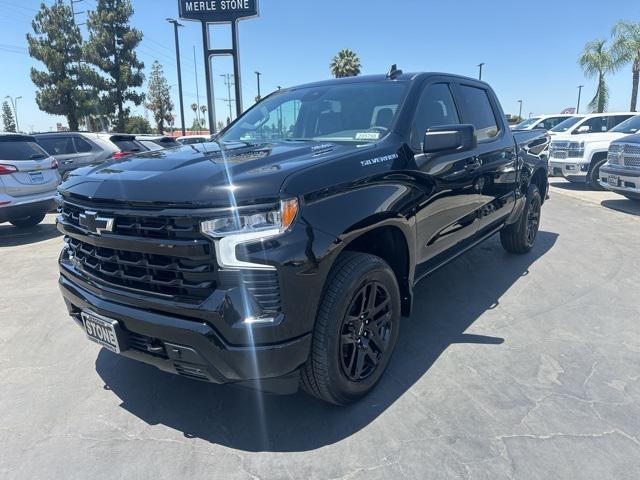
28,222
593,176
519,237
356,330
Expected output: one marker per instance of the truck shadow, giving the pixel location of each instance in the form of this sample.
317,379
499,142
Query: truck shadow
623,205
11,236
447,304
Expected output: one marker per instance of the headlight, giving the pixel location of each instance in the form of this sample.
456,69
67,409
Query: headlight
275,221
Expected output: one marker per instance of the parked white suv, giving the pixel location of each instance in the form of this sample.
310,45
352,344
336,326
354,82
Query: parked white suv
28,180
579,152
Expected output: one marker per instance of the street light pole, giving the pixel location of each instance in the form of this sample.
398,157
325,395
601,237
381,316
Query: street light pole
14,105
480,65
228,83
258,74
520,114
176,25
579,95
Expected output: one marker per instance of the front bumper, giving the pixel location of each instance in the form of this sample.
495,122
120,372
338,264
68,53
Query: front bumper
186,347
626,183
21,207
571,169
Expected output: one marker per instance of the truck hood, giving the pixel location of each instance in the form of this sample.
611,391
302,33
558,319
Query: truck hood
201,175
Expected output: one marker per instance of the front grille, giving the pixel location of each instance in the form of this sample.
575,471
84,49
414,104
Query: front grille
559,154
139,226
615,152
160,274
145,253
631,155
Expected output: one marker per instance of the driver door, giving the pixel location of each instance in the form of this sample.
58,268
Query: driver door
446,210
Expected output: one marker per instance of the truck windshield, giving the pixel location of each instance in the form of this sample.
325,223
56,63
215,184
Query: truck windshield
630,126
527,123
357,112
566,125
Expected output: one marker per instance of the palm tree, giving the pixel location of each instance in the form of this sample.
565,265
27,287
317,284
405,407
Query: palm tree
203,109
345,64
597,60
627,47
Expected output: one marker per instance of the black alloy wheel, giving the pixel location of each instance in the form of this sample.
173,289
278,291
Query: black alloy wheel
366,331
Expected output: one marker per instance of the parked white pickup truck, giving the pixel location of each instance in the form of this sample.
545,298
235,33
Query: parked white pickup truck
578,153
546,122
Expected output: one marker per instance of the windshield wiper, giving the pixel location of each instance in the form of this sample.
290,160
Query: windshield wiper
299,140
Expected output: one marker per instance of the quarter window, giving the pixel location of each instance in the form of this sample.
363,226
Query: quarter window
479,112
436,108
82,146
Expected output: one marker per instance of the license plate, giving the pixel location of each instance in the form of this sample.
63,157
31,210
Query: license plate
36,177
613,180
102,331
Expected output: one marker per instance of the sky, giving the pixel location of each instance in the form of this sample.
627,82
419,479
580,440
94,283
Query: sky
530,49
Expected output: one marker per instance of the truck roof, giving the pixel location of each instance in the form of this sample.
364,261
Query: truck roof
404,77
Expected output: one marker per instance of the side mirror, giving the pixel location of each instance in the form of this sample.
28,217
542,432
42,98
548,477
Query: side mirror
448,138
583,129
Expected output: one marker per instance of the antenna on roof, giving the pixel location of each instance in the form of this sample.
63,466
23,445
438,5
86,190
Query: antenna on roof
394,72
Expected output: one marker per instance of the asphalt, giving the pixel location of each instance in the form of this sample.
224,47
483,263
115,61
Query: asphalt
520,367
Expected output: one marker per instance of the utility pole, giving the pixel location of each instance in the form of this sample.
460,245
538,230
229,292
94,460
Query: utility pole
72,4
480,65
228,83
258,74
177,25
195,69
579,95
520,114
14,105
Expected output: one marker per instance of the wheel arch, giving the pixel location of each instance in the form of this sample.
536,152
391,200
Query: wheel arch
390,243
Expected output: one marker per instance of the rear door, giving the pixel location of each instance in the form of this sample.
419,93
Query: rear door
496,176
26,169
62,148
86,152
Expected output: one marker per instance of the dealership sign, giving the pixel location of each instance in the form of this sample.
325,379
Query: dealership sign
218,11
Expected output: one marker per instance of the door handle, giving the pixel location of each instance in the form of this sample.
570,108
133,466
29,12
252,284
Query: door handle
473,164
68,162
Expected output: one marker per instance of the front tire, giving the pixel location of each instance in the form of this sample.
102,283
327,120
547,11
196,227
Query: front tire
594,175
520,236
356,330
28,222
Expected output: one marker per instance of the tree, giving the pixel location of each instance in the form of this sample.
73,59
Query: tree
626,46
138,125
159,97
597,60
203,120
111,48
57,43
345,64
221,125
7,118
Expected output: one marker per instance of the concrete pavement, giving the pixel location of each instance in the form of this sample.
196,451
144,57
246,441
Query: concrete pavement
510,367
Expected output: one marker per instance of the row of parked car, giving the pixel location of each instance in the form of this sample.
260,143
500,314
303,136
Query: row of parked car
601,150
32,166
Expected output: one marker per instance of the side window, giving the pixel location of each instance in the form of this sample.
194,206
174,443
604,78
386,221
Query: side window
549,123
479,112
595,124
58,145
617,120
436,108
82,146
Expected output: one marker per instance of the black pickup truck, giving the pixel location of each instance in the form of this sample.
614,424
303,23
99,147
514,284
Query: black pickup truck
286,251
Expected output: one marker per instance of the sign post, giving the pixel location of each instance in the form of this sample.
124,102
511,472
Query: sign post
215,12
